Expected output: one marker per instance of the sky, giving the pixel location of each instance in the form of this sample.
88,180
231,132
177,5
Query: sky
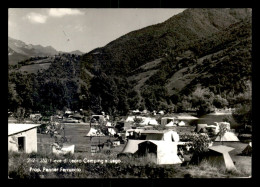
68,29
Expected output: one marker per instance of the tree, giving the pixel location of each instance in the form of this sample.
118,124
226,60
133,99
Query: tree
220,102
202,99
200,144
138,121
13,99
19,114
222,131
243,115
104,89
183,105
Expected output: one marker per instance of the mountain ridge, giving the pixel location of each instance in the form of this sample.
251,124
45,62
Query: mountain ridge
153,41
175,65
20,51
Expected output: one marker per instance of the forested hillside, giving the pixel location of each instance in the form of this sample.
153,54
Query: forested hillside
221,64
138,47
198,59
48,90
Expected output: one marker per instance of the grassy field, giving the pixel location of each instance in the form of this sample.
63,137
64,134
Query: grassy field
76,135
19,167
35,67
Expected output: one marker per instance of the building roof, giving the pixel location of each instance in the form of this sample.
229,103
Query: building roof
155,131
14,128
221,148
168,117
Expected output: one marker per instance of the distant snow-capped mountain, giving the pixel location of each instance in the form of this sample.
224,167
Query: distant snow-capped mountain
19,50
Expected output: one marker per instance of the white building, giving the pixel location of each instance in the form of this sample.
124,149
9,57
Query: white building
22,137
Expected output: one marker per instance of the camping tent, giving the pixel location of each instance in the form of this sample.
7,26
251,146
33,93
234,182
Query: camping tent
130,118
219,156
164,152
129,132
171,124
161,112
108,124
146,120
248,150
181,123
94,132
228,137
215,128
167,135
171,136
167,120
111,131
152,121
200,126
144,112
131,146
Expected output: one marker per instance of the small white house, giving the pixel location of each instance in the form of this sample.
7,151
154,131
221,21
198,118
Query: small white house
22,137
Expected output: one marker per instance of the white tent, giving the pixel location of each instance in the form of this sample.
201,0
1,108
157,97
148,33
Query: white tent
181,123
171,124
132,146
222,157
200,126
168,135
108,124
130,131
166,152
248,150
111,131
171,136
146,120
131,118
144,112
161,112
228,137
167,120
215,128
152,121
94,132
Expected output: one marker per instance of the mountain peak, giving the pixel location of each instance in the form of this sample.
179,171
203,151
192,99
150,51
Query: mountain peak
152,42
22,51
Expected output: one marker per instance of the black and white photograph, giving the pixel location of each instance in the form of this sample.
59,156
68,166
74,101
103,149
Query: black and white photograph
129,93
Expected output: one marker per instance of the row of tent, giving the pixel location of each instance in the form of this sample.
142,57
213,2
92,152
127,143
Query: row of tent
95,132
166,135
166,152
164,146
145,120
167,121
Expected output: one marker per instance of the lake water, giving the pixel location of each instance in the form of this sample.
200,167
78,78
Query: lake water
211,118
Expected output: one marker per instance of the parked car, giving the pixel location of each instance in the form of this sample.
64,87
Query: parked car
70,120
